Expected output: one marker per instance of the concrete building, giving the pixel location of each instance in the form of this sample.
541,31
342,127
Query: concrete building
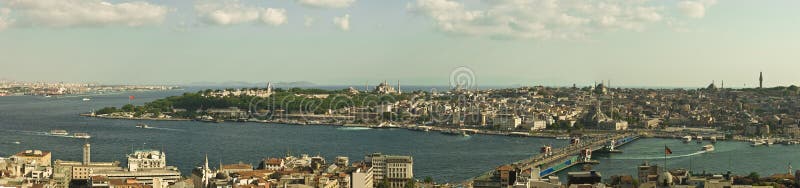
394,170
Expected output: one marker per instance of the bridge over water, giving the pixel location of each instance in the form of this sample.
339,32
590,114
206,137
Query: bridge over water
559,159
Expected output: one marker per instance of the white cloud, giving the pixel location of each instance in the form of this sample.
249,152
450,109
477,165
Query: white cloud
327,3
343,22
540,19
233,12
5,21
68,13
274,17
308,21
695,8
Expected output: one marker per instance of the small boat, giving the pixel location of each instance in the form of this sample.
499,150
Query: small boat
699,139
758,143
142,125
82,135
687,139
59,132
86,99
770,142
708,147
464,133
16,142
713,140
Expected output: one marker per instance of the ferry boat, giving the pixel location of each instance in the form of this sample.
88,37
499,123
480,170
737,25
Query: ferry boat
59,132
82,135
454,132
142,125
708,147
687,139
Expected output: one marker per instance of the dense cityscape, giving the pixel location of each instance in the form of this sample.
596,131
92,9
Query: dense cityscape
598,118
399,94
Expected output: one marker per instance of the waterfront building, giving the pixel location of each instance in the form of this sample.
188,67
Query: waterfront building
393,169
507,122
272,164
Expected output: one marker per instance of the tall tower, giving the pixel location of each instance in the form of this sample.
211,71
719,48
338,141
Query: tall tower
398,88
760,80
87,153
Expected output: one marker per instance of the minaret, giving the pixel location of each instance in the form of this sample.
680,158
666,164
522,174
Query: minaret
206,173
87,153
398,88
366,87
722,86
269,87
760,80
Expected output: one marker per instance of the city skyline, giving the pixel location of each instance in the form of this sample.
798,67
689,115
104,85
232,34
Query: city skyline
419,42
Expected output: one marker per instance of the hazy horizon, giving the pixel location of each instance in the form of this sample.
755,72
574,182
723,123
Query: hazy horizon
686,43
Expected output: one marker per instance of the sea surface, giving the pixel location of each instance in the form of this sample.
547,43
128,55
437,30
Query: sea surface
446,158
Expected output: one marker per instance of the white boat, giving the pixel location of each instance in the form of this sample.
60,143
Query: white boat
770,142
713,139
16,142
687,139
757,143
142,125
699,139
82,135
59,132
86,99
708,148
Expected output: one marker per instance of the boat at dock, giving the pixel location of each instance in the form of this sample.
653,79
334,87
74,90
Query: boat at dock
699,139
563,138
59,132
82,135
713,140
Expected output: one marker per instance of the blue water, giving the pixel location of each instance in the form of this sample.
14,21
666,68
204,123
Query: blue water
445,158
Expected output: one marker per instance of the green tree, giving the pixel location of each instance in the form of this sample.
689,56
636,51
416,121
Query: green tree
411,184
428,179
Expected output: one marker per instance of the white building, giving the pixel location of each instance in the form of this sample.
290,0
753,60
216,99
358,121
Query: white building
396,170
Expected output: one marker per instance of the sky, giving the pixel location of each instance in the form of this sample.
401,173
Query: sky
655,43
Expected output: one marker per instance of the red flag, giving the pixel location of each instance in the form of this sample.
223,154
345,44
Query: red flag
131,97
667,151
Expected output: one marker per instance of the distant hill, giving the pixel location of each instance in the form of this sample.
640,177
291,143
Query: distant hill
239,84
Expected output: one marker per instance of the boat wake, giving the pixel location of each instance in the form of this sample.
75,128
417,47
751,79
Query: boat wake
161,128
353,128
659,157
37,133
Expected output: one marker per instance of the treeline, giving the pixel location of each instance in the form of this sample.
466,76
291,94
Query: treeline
294,100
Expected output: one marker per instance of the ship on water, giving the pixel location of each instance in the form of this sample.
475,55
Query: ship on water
707,148
82,135
59,132
142,125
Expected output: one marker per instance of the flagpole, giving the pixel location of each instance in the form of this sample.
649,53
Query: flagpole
665,159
